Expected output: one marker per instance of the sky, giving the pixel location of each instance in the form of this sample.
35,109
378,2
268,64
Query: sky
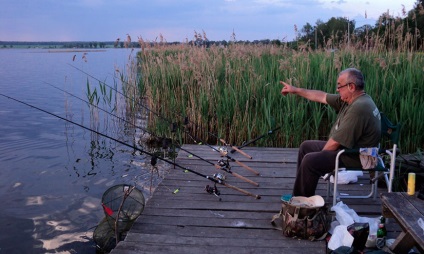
179,20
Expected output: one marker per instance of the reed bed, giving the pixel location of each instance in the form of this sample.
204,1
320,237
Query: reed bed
234,91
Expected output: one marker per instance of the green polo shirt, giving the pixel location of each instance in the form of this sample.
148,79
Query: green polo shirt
357,125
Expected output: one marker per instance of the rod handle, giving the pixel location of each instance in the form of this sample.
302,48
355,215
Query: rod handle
242,152
246,167
242,191
236,149
245,179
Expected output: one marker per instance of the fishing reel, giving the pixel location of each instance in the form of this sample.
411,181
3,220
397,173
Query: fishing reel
219,177
212,190
223,151
224,163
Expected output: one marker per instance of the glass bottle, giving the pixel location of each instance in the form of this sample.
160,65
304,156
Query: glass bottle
381,234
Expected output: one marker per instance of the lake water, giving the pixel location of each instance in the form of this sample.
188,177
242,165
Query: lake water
53,173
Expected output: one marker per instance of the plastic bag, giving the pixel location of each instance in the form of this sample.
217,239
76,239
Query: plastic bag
344,215
346,177
340,237
347,216
353,236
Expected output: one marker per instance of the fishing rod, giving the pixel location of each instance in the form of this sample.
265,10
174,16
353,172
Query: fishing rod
234,148
186,120
220,165
216,180
225,154
256,139
225,166
117,91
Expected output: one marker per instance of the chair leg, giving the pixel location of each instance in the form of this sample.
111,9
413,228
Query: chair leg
372,194
375,185
326,178
335,189
328,189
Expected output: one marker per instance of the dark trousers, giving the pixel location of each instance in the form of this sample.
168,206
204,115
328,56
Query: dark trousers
312,163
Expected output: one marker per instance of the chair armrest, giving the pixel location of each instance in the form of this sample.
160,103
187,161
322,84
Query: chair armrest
356,150
352,150
390,150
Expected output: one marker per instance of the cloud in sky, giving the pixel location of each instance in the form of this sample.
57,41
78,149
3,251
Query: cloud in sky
176,20
373,8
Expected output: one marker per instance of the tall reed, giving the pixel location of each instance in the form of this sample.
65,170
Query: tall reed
234,91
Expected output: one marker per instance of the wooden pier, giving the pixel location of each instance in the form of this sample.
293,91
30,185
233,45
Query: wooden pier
191,220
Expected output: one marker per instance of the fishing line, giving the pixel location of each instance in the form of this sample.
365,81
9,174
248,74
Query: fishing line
105,111
225,167
116,90
256,139
186,119
215,180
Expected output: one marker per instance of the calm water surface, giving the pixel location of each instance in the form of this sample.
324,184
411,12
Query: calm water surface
53,173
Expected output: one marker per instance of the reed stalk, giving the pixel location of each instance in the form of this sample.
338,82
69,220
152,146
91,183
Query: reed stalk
234,91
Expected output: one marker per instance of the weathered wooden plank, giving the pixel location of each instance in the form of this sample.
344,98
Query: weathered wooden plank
157,247
193,221
217,241
214,213
257,223
240,240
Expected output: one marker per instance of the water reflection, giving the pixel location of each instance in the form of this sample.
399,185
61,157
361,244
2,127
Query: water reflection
53,173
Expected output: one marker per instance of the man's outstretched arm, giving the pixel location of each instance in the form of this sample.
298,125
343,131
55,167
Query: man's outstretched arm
312,95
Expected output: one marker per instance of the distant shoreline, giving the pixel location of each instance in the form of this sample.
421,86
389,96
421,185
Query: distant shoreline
89,45
75,50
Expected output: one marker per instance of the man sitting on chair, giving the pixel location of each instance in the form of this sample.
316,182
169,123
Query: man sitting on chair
357,125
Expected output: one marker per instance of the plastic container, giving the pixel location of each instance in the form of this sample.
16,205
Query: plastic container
411,184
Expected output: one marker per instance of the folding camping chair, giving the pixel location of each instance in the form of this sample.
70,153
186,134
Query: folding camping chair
387,151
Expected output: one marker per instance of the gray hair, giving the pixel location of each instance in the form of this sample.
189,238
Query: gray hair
355,76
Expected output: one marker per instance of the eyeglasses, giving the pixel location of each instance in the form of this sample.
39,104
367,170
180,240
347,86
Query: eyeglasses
340,87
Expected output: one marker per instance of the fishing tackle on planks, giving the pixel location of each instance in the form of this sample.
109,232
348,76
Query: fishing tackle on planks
213,190
219,176
236,149
165,142
224,163
213,179
224,153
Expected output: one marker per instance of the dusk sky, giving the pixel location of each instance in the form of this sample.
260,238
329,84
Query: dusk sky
176,20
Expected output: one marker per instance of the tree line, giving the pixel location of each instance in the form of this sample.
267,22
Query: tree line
56,44
390,29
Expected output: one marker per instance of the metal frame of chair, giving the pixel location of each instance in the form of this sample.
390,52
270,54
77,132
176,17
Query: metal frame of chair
390,132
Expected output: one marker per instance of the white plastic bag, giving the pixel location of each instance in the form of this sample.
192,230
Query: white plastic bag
346,177
347,216
344,215
340,237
